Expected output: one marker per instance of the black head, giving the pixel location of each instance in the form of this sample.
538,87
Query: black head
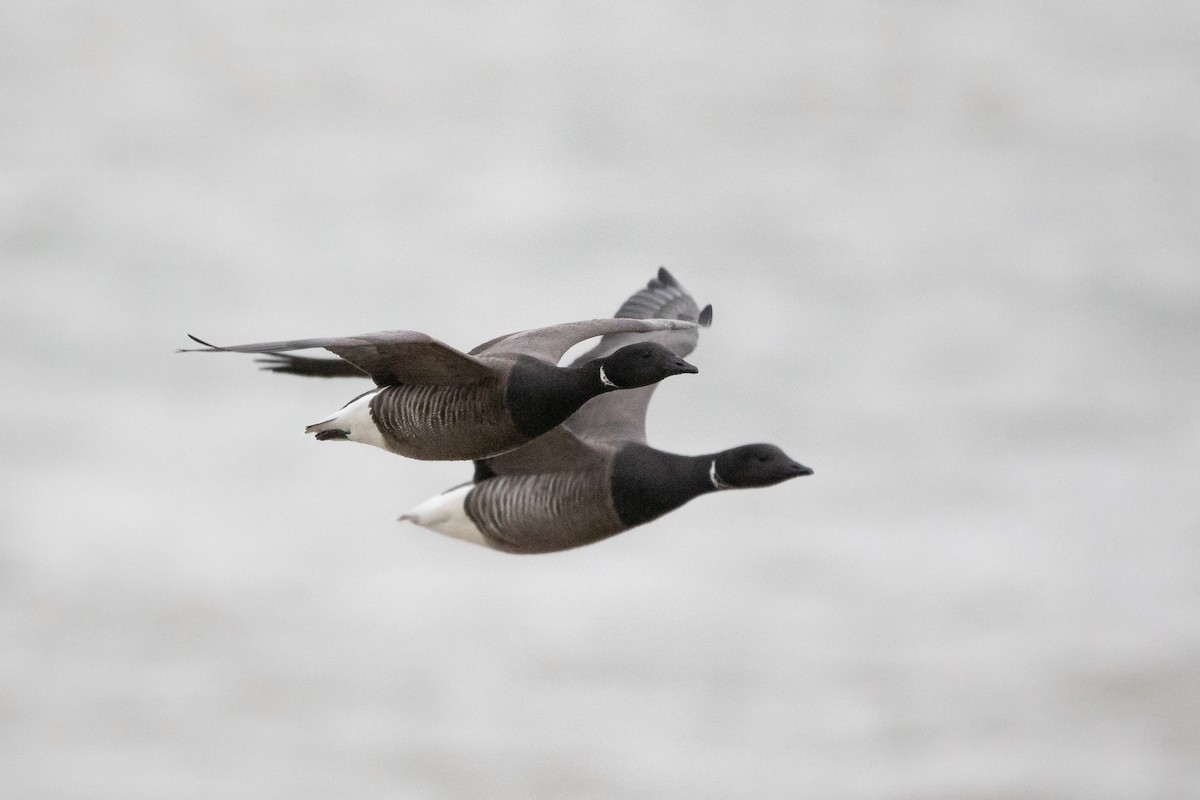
641,364
755,465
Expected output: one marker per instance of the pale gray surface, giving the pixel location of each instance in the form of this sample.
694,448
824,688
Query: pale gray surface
954,251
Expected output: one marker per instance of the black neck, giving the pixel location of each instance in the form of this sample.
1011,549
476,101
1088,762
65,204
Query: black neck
541,396
647,483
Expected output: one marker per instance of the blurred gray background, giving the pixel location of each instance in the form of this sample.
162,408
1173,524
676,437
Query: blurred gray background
953,250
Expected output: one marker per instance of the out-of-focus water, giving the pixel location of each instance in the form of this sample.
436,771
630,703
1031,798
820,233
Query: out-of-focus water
953,254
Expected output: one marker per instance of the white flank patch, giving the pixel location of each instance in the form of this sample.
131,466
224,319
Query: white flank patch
355,417
445,514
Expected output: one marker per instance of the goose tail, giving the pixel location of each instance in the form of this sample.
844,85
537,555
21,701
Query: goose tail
353,422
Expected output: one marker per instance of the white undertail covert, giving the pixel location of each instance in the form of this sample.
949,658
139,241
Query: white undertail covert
446,514
354,417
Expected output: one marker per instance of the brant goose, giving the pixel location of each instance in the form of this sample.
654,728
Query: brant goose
434,402
595,476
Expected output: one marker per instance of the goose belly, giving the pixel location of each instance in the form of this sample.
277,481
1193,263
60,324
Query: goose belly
543,513
444,423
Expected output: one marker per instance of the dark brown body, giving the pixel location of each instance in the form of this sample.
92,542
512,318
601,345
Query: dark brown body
439,423
544,513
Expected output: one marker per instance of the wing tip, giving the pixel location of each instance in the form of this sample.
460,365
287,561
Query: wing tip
208,347
663,324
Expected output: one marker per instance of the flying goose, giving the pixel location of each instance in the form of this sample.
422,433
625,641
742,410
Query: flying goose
595,476
433,402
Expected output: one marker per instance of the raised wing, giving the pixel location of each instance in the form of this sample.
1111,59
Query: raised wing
388,356
621,416
608,420
550,343
663,298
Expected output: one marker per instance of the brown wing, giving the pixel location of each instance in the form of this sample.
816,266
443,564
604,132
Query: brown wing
608,420
288,364
550,343
663,298
388,356
621,416
556,451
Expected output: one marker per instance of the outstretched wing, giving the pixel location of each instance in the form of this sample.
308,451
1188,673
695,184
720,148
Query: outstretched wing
550,343
388,356
663,298
608,420
621,416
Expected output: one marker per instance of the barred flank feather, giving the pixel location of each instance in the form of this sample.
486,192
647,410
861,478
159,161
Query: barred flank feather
540,513
459,420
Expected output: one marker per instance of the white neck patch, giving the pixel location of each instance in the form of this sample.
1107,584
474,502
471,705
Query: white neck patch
715,478
605,379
